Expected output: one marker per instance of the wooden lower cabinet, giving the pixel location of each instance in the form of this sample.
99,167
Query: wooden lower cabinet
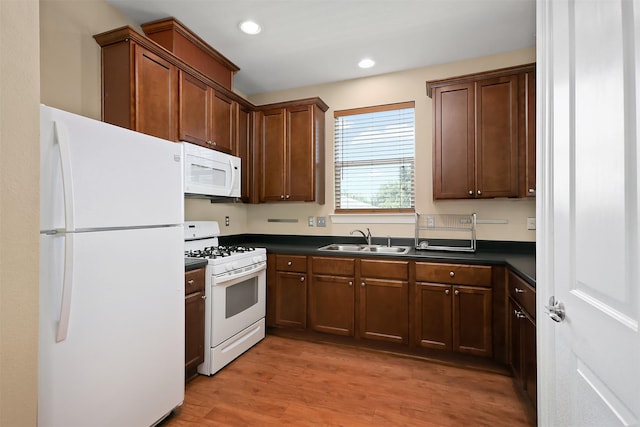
384,300
332,296
194,318
522,336
454,317
287,291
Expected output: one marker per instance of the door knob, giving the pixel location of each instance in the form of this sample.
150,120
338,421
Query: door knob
555,310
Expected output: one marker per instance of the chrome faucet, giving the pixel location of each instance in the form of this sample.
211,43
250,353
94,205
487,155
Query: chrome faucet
367,235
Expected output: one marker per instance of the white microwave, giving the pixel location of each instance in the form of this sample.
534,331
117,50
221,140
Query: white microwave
210,173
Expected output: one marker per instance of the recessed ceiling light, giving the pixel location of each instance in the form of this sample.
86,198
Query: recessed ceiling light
250,27
366,63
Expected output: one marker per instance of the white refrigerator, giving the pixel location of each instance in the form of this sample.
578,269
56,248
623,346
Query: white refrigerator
111,331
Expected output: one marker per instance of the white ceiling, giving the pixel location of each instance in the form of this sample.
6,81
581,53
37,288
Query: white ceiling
308,42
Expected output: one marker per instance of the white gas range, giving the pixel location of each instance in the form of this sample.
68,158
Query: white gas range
235,292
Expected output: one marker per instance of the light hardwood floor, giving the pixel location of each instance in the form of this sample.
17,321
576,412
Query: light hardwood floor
288,382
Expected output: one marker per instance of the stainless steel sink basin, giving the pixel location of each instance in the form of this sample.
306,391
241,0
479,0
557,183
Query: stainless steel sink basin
373,249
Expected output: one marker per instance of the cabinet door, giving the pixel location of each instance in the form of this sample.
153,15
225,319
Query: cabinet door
384,310
472,331
454,149
194,110
530,120
515,341
156,95
291,299
332,304
300,158
244,150
497,137
529,359
433,316
222,108
194,330
272,136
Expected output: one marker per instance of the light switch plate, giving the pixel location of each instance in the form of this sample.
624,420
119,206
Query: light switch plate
531,223
321,221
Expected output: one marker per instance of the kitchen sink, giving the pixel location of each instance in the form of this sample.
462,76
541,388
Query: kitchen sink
373,249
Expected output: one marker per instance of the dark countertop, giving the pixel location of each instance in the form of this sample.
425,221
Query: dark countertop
520,257
194,263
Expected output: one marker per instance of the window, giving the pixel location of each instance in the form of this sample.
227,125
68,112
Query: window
375,159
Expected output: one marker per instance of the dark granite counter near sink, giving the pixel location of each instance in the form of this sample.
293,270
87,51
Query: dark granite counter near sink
520,257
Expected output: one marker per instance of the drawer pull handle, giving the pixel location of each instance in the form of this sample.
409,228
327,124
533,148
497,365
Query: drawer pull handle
519,291
302,279
350,283
190,282
446,292
289,263
451,273
456,292
519,314
362,284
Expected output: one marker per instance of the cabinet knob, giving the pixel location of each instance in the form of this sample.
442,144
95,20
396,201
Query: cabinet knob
289,263
532,191
362,284
519,291
287,196
479,193
471,192
519,314
190,282
447,292
302,279
350,283
451,273
204,297
282,196
456,292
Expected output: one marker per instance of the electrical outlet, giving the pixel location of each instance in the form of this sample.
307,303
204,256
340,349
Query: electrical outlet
431,222
531,223
310,221
321,221
226,221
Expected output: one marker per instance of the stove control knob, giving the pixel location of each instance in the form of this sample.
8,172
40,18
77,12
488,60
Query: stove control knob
256,259
231,266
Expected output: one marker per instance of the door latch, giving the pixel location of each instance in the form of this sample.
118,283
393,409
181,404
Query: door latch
555,310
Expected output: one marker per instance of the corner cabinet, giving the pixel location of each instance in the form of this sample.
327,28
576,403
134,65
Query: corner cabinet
479,123
291,141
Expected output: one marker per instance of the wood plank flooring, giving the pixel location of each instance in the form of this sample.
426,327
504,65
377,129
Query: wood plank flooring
288,382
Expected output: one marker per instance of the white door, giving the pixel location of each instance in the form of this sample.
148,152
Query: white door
588,210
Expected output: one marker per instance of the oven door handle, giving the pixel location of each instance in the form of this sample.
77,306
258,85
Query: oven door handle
223,281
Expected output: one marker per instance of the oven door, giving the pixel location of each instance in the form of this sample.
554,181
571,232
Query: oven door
237,302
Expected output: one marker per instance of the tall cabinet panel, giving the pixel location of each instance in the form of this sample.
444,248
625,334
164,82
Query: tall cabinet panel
273,155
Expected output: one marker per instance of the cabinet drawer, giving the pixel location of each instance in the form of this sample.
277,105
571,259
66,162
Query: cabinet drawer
333,266
194,281
384,269
455,274
523,293
297,263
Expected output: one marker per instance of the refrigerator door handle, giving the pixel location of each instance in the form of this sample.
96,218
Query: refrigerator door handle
67,286
62,137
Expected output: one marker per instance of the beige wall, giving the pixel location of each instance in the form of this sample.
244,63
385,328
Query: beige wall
385,89
19,215
70,57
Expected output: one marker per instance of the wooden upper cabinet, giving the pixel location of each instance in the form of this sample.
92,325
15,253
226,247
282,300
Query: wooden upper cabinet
481,125
292,151
222,111
528,141
139,90
244,148
206,116
497,137
194,110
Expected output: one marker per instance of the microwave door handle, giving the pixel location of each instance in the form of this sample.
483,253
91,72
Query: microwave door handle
233,177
